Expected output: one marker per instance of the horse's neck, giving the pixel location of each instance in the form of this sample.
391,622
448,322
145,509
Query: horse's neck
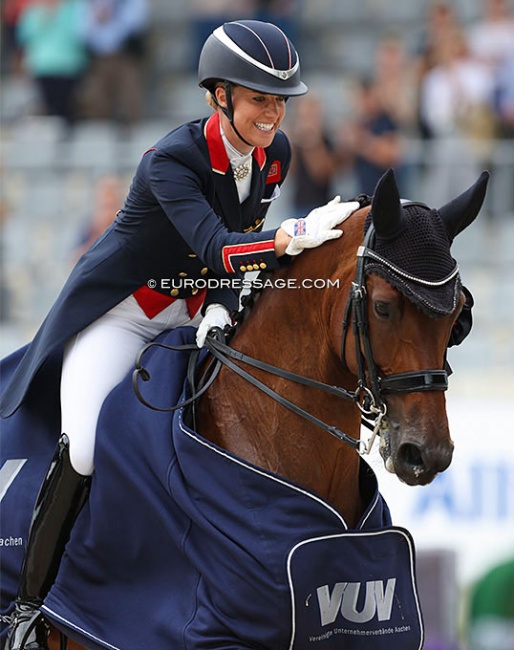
289,329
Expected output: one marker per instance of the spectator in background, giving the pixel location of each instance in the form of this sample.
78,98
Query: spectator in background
491,42
109,193
114,32
315,162
441,21
395,81
491,39
53,53
371,143
456,105
456,93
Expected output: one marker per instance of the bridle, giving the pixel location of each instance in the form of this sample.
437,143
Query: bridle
371,387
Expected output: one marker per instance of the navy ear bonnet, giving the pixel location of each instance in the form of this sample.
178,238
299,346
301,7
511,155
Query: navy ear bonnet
411,243
416,260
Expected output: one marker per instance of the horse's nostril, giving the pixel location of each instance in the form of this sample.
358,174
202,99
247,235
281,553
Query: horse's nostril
410,454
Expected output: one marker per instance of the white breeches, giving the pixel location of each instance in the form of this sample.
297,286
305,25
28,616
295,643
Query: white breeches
97,359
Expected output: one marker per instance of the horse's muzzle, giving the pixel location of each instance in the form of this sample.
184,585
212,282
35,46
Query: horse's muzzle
418,464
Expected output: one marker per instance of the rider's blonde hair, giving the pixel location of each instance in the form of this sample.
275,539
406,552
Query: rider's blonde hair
209,97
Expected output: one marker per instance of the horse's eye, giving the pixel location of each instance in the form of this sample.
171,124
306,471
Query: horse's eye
382,309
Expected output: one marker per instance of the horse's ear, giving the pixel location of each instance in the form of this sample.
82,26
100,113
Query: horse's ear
386,209
461,211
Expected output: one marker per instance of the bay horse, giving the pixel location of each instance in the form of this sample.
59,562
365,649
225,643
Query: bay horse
344,335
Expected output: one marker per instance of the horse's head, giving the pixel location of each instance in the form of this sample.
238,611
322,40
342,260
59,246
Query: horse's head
411,296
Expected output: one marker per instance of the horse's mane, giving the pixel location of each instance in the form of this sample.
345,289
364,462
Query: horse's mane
249,300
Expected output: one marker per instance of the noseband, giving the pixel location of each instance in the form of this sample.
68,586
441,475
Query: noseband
371,387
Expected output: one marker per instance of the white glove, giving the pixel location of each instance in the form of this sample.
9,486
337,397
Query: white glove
215,316
318,226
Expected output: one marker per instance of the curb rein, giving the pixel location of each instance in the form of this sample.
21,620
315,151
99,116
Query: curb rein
368,398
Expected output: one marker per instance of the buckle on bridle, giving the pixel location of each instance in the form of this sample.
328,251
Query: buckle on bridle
366,402
380,423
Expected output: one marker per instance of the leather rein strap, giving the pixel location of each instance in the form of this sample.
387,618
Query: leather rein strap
225,354
370,386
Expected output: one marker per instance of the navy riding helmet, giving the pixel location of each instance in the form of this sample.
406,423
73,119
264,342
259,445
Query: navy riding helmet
253,54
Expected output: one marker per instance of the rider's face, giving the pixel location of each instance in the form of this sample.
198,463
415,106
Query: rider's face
257,117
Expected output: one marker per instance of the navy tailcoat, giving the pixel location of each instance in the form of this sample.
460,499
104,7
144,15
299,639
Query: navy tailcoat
181,219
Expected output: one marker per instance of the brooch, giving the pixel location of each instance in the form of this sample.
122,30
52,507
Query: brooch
242,171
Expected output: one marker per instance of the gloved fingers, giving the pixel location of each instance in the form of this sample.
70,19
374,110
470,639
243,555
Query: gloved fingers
321,237
203,330
298,244
337,213
330,234
215,316
315,212
330,215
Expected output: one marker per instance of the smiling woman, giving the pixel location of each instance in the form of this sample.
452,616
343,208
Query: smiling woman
258,117
195,210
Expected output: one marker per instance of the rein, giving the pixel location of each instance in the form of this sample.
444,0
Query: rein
224,354
142,373
370,386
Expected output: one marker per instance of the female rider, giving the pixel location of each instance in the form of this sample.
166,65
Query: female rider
195,210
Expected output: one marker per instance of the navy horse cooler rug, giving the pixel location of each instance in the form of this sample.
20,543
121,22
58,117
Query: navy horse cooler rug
183,545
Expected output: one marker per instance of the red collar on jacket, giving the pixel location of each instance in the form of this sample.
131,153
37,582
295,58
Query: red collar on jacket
217,152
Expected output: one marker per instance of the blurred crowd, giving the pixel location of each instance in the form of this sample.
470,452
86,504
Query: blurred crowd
454,90
87,59
447,85
90,59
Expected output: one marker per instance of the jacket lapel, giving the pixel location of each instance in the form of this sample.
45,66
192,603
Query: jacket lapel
227,204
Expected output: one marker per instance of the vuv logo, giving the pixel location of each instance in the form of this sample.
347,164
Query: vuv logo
378,601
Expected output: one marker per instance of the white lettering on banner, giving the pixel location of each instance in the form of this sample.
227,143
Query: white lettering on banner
479,490
8,472
11,541
344,597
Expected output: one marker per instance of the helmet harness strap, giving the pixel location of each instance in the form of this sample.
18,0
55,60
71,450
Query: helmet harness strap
229,110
